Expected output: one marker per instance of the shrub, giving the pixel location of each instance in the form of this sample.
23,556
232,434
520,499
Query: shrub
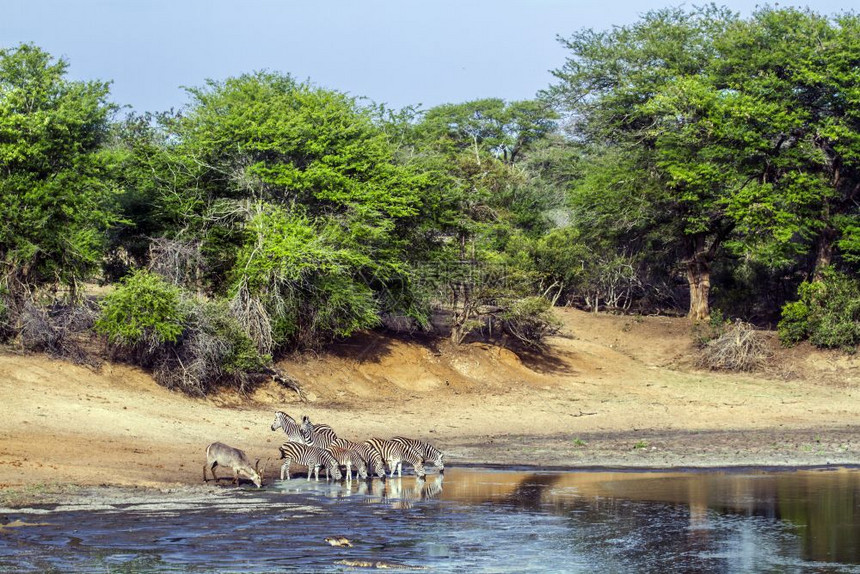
716,327
530,320
738,348
213,350
144,311
793,327
827,313
61,329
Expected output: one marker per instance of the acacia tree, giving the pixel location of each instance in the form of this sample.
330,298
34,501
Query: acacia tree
300,209
492,125
55,198
797,73
744,133
613,87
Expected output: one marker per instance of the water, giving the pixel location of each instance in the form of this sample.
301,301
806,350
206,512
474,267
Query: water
479,519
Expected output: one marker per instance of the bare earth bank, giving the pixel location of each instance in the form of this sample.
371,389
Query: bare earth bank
613,391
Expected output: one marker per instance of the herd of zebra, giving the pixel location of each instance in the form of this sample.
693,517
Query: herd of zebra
317,446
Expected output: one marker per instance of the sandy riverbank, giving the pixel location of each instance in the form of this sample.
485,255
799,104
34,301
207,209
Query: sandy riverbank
613,391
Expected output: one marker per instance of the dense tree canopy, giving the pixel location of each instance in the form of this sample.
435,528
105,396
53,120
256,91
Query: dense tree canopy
690,160
55,196
735,137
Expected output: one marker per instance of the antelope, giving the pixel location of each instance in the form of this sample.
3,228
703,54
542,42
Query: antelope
219,453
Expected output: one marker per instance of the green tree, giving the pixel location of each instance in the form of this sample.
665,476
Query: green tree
492,125
626,92
294,195
55,198
795,75
741,135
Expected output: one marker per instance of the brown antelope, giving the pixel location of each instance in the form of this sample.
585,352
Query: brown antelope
219,453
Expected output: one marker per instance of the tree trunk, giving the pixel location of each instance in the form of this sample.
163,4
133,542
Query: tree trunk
824,251
699,257
699,278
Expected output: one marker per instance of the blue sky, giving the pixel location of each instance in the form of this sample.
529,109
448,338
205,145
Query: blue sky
399,52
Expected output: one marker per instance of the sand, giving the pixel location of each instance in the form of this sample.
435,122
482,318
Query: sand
610,391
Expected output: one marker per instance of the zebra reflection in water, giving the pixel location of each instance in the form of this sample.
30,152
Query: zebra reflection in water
400,493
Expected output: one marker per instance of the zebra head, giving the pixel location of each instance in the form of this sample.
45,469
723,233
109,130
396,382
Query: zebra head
361,469
333,467
281,420
307,430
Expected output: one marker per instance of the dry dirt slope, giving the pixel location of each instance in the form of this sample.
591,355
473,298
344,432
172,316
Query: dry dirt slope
612,391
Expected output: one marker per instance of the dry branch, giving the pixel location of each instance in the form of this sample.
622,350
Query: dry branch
740,348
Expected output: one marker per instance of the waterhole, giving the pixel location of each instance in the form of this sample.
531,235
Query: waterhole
480,519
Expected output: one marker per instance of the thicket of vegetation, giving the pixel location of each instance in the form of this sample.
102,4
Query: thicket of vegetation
692,160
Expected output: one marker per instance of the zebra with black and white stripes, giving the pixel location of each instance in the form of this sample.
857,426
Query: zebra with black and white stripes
349,458
321,435
370,456
394,454
290,426
309,456
425,450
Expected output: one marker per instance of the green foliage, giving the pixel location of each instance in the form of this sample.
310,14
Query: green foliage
308,276
734,136
269,137
55,201
144,310
489,125
827,313
794,325
530,320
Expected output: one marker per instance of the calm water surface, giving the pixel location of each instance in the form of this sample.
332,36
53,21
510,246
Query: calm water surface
478,519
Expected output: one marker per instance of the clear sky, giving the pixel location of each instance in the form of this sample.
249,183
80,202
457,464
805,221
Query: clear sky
400,52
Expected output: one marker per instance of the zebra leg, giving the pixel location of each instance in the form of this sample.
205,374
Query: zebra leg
285,468
349,470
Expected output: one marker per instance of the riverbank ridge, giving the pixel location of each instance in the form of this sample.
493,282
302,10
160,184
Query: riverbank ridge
612,391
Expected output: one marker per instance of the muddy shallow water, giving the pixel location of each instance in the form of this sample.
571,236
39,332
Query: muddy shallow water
485,520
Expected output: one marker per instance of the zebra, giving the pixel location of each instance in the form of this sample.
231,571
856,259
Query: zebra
309,456
290,426
394,454
425,450
371,457
349,458
320,435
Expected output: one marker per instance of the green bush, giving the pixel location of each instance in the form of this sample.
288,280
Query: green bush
828,313
794,325
191,344
143,310
213,350
530,320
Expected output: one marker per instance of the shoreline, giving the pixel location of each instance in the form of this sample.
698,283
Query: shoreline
611,392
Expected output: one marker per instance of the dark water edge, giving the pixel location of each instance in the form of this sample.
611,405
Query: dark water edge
476,518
